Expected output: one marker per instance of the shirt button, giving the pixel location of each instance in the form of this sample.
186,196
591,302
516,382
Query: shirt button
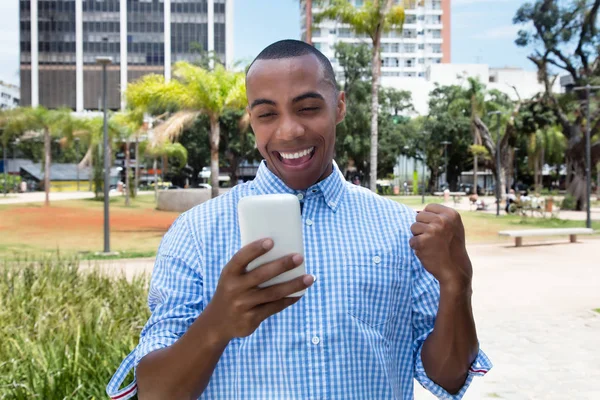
300,196
332,204
315,340
376,259
309,222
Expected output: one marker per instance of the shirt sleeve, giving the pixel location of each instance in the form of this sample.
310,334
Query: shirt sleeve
175,299
425,298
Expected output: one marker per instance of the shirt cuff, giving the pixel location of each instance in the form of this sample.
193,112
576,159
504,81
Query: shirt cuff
479,367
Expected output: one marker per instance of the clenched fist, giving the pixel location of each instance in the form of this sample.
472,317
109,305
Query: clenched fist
439,242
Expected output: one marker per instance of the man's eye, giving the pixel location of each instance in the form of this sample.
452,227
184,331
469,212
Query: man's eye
309,109
266,115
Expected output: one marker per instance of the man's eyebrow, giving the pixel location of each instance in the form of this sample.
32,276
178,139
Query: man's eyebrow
258,102
308,95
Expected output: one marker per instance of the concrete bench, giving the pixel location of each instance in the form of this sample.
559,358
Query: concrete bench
572,232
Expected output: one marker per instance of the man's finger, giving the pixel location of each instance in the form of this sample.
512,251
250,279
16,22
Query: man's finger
415,243
271,270
435,208
238,263
280,291
427,217
266,310
419,228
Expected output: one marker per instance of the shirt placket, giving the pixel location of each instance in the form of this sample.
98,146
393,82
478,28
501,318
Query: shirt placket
315,333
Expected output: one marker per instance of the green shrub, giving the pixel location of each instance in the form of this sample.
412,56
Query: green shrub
569,203
12,183
64,331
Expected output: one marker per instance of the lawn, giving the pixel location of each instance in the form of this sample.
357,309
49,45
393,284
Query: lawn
483,227
75,227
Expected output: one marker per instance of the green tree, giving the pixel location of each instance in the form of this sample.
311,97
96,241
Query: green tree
127,126
564,36
352,141
52,123
374,18
193,92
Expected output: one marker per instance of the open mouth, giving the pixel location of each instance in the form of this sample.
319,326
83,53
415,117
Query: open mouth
296,159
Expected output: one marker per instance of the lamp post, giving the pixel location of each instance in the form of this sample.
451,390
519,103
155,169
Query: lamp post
498,194
588,153
105,61
516,169
446,143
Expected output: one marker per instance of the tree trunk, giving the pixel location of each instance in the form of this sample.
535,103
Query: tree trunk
47,156
475,162
215,136
542,162
91,170
376,71
137,166
308,13
536,174
154,167
126,172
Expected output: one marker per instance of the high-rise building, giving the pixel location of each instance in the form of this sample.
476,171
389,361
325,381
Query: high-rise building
423,41
61,39
9,96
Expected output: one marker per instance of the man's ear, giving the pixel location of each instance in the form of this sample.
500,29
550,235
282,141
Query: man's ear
341,107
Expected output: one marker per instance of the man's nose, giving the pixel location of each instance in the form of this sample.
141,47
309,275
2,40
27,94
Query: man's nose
289,129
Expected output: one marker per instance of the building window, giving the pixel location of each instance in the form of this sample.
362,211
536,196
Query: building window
436,48
421,18
436,33
395,48
409,63
345,33
421,74
318,46
421,61
409,48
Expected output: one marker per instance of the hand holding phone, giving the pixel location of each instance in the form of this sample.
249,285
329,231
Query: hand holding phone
239,306
277,217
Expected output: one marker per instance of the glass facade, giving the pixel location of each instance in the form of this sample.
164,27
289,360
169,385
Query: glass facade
102,37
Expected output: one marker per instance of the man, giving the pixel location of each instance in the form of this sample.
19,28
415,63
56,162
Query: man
364,329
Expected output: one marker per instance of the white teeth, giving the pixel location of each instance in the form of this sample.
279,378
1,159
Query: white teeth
293,156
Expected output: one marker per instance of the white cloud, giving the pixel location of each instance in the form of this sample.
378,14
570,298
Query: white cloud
500,32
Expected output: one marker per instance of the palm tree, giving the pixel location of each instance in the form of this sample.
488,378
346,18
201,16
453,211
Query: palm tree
193,92
546,145
52,123
373,19
127,125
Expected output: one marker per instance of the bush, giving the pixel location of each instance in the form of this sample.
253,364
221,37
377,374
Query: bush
64,331
12,183
569,203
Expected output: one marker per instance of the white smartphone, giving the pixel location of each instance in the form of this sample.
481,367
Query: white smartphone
274,216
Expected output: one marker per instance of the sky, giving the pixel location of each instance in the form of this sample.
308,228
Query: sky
482,32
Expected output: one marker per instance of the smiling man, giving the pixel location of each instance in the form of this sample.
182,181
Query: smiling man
393,297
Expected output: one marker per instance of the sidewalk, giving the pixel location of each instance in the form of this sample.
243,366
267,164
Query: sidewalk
39,197
533,307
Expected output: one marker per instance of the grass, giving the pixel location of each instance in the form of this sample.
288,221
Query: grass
63,332
597,310
483,227
416,201
75,228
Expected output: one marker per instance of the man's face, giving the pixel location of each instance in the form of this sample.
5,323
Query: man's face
293,111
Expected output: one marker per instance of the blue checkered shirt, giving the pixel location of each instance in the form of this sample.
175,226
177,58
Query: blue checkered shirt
356,334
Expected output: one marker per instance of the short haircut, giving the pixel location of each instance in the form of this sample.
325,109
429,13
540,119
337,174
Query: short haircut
289,48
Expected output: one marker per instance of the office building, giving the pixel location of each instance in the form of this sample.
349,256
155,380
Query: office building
423,41
9,96
61,39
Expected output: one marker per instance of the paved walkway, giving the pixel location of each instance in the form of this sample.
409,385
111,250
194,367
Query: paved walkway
533,307
40,197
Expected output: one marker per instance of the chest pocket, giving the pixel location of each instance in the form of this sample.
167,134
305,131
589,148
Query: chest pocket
378,283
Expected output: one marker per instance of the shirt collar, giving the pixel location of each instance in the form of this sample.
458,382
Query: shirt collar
331,188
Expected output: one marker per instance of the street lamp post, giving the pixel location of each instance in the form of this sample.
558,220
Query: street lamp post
105,61
446,143
588,153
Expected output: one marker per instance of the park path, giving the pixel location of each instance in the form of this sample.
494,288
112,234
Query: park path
533,307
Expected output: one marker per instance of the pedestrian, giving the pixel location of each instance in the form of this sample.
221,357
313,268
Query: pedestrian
392,301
